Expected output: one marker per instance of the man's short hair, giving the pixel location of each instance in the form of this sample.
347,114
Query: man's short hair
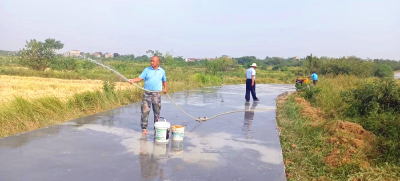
155,56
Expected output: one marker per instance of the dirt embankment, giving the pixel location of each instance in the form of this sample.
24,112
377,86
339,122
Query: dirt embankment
316,115
351,142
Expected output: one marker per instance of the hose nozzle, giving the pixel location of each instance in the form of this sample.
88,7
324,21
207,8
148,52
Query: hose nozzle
201,119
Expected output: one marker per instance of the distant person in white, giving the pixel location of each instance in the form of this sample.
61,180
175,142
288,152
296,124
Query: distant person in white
251,83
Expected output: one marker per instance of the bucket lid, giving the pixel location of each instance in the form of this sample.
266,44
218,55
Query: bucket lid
162,124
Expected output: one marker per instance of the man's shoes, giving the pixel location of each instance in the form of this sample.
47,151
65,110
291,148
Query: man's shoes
256,100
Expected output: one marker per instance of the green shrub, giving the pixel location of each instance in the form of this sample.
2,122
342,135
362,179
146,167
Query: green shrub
376,107
311,91
307,91
378,97
61,63
207,80
337,66
383,71
109,86
221,64
84,65
89,101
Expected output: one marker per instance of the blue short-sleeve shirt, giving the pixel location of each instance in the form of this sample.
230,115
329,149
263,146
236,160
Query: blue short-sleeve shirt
153,78
314,76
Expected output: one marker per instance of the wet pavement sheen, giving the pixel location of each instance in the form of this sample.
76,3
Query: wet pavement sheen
108,146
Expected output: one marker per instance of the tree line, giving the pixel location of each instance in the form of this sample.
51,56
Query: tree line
41,55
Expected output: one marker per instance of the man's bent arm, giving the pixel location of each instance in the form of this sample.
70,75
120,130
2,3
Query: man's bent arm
137,79
165,87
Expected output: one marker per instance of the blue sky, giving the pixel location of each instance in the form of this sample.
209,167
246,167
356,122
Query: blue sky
208,28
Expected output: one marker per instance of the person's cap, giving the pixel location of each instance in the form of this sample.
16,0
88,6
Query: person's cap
253,65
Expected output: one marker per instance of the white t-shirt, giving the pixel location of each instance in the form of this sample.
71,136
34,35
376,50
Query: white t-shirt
250,72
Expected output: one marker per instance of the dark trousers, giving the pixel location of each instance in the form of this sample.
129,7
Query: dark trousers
251,89
315,82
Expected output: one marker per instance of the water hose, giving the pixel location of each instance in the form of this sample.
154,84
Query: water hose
199,119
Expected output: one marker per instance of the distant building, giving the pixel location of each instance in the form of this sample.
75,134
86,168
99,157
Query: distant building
190,59
297,58
197,59
97,54
72,53
109,55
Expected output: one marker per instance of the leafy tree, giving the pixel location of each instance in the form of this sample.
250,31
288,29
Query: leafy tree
52,44
179,59
39,55
247,60
154,53
88,55
143,58
274,60
150,52
383,71
213,66
220,64
116,55
350,65
129,57
395,65
168,60
157,53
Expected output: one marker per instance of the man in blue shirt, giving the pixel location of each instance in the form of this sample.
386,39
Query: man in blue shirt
251,83
154,78
314,77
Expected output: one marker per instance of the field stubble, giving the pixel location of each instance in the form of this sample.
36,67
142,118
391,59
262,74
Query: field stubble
37,87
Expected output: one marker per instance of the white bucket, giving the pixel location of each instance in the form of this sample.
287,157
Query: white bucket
162,130
178,132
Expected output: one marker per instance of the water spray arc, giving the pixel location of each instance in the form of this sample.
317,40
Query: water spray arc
199,119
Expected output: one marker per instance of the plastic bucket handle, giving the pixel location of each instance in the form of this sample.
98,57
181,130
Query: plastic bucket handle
163,119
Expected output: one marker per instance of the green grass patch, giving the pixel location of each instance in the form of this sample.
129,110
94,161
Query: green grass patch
305,147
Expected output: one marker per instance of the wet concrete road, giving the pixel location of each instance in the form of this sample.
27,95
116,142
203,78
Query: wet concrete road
108,146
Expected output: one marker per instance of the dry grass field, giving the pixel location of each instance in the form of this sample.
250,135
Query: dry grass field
49,101
36,87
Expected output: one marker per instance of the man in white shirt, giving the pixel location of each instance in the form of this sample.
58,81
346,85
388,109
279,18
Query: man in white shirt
251,83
